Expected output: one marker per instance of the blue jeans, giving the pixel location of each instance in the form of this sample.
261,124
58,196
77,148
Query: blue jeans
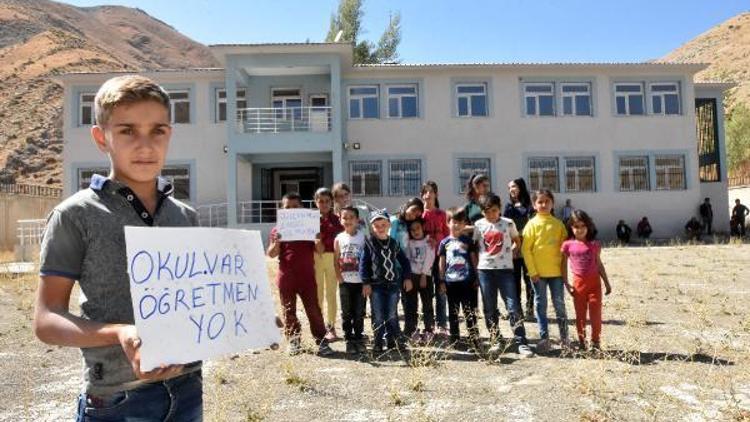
492,281
175,399
441,299
557,290
384,311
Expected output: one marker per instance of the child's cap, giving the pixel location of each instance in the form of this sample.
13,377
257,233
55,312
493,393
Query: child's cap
379,215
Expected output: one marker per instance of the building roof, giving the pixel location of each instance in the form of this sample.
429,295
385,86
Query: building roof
272,44
655,65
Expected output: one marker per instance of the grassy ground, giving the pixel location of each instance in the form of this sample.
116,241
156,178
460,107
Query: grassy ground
676,338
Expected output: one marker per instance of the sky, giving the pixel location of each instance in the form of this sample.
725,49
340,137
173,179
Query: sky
450,31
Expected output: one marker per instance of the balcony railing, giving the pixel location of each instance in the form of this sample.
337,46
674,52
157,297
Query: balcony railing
281,120
251,212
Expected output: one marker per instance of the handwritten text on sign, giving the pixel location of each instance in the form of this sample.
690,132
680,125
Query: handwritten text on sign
198,293
298,224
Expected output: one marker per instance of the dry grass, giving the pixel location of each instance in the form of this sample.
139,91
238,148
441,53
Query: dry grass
676,339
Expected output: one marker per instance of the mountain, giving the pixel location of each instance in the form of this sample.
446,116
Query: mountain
726,47
40,39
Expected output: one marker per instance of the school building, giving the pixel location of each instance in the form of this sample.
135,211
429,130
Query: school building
621,140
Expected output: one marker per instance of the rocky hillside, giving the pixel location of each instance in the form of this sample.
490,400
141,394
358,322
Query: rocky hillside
40,39
726,47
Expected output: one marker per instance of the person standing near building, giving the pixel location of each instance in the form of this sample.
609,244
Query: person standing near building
436,227
477,186
739,214
519,209
707,215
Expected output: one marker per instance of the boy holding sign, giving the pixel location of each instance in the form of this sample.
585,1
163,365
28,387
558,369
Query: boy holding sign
84,241
296,276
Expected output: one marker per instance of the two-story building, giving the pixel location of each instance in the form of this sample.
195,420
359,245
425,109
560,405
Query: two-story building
621,140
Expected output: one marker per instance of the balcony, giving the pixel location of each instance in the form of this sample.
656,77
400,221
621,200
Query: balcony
284,120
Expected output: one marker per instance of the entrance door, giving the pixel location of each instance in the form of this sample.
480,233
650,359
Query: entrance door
303,180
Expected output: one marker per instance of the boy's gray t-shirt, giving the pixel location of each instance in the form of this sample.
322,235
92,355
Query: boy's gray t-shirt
85,241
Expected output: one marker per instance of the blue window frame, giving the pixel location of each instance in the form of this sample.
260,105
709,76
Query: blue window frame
402,101
629,99
363,102
471,100
665,98
576,99
539,99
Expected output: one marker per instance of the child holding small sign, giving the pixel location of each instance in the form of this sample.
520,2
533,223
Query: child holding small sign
296,277
85,242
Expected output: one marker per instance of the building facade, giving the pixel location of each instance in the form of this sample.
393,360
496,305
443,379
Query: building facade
621,140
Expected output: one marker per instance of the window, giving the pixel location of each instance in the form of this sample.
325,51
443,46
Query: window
468,167
576,99
708,140
363,102
634,173
665,98
579,174
86,109
629,99
405,177
471,100
179,106
85,175
402,101
539,99
543,173
179,178
287,102
670,172
365,177
221,104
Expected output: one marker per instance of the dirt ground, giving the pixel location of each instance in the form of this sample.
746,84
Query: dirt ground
676,337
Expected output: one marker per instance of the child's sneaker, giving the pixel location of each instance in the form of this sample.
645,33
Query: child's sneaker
294,348
525,351
543,346
428,337
377,348
442,332
331,334
361,346
496,347
351,348
324,349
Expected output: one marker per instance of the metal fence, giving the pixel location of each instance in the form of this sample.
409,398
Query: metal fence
31,190
286,119
30,232
738,181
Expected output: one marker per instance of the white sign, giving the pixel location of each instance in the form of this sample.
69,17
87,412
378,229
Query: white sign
198,293
297,224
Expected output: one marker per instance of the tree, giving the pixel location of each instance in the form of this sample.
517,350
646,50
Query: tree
348,20
738,138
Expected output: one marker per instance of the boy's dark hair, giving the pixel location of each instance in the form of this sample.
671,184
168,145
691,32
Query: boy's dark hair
352,210
291,196
418,220
456,213
545,192
583,217
490,200
431,184
323,192
408,204
471,193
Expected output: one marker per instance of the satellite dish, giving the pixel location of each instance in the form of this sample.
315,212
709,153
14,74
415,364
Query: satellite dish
338,36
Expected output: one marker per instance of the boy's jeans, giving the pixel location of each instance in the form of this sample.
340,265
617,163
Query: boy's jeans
175,399
491,281
352,310
441,299
557,290
384,310
411,309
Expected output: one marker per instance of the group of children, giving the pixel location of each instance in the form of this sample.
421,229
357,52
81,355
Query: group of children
440,259
420,254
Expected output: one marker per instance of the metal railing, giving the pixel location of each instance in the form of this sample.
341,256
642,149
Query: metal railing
212,215
31,190
30,232
286,119
252,212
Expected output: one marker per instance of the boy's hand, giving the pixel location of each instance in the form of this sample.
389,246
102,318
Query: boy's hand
535,278
423,281
607,289
441,288
570,290
366,290
408,285
341,279
131,343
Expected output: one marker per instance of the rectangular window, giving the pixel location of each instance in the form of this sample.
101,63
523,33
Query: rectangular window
579,174
402,101
363,102
221,104
287,102
468,167
86,109
543,173
576,99
629,99
665,98
405,177
85,175
471,100
708,142
179,106
365,177
634,173
670,172
179,178
539,99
